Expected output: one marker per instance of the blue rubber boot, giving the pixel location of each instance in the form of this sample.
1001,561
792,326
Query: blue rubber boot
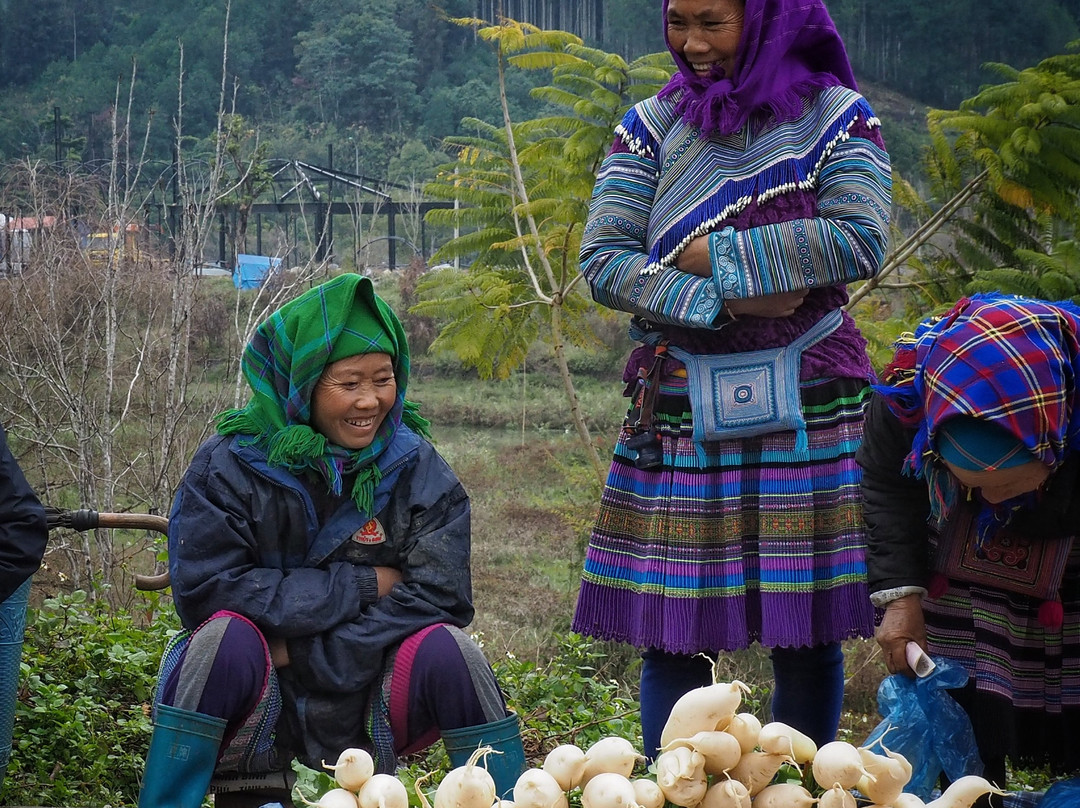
181,760
505,764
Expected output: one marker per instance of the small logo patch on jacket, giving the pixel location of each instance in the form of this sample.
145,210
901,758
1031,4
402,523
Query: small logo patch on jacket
371,533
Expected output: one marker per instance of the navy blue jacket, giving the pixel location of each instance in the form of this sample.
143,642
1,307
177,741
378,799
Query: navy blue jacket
249,538
23,531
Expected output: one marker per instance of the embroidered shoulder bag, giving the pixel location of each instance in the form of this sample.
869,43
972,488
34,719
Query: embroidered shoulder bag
740,395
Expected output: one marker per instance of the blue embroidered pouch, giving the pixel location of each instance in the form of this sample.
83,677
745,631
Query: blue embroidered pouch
741,395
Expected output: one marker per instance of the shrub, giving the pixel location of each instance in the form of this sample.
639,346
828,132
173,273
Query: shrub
575,695
82,721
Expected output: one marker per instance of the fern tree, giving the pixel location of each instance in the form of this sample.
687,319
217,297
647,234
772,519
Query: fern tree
523,190
1007,162
1025,133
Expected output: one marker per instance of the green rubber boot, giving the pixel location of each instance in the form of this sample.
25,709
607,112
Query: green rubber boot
181,760
505,764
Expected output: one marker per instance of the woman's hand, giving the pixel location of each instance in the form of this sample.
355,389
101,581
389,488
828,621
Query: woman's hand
903,623
279,652
695,259
387,577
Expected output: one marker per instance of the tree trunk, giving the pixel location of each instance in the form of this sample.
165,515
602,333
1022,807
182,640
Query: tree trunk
554,300
576,416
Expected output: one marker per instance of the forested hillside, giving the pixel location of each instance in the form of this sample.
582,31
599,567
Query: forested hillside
388,79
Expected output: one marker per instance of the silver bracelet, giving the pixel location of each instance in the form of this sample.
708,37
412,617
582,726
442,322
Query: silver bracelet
884,597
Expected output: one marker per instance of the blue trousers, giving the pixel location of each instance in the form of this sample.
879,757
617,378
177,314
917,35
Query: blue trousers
808,689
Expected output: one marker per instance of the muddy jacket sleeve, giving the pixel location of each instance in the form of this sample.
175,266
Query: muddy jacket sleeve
236,543
428,519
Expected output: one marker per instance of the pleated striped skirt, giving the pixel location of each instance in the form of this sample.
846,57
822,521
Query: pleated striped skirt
1024,692
736,541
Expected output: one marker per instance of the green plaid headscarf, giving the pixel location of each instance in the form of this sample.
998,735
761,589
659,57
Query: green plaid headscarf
284,360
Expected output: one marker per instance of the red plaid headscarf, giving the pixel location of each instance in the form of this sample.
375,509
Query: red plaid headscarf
1010,361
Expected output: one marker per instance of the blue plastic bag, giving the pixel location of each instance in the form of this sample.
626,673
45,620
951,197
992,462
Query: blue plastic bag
925,724
1065,794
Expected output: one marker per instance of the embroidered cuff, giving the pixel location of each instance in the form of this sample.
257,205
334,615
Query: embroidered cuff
884,597
724,268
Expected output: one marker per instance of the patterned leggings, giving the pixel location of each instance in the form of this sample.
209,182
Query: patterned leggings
437,679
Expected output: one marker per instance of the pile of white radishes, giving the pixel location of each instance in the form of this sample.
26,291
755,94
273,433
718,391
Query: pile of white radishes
711,756
358,786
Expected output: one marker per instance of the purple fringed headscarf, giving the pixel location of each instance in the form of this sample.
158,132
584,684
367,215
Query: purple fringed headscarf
788,49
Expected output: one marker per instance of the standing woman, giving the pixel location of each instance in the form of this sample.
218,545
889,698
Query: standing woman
972,500
24,534
727,217
23,529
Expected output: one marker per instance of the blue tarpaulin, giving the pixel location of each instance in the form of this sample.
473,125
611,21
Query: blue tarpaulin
251,270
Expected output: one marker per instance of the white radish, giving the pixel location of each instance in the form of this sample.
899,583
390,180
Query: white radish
535,788
838,762
383,791
905,766
353,768
720,749
680,773
611,754
503,804
837,797
745,727
906,800
726,794
608,790
885,777
777,736
334,798
566,763
468,786
755,770
703,708
963,791
648,793
784,795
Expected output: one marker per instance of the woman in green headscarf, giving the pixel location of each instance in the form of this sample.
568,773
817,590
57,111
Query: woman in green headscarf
319,555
